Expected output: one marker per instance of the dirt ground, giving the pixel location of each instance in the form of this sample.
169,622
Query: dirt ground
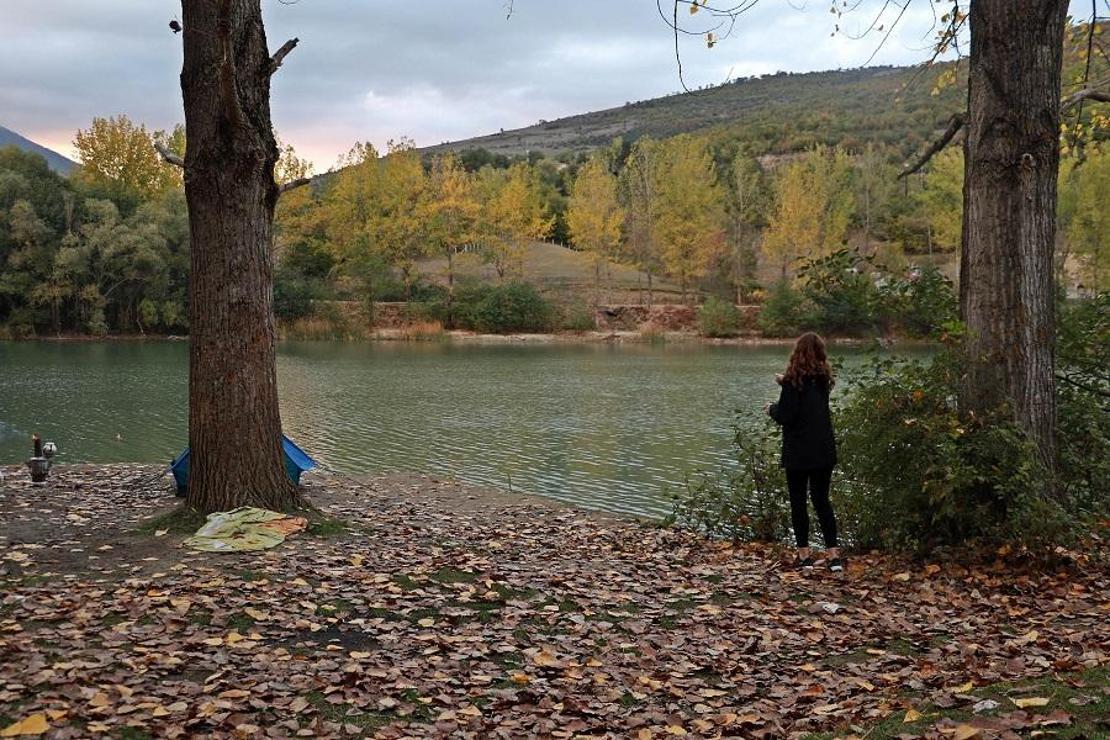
416,607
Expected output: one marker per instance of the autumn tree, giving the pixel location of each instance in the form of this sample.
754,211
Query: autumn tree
395,226
812,207
594,216
688,211
637,190
234,420
747,202
512,215
450,211
119,156
1087,216
942,199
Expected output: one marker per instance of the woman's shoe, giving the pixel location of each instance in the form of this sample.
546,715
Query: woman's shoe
802,563
836,565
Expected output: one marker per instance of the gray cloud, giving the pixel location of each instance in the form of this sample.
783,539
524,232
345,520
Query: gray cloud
433,71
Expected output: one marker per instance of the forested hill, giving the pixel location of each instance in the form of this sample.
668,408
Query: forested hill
57,162
784,112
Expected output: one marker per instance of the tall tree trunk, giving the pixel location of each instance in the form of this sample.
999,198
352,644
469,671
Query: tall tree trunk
234,424
1011,161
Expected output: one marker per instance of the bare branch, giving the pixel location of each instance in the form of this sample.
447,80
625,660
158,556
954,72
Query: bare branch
1090,93
168,156
293,184
954,125
280,54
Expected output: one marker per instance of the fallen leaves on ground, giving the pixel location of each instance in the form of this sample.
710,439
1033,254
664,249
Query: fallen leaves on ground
441,610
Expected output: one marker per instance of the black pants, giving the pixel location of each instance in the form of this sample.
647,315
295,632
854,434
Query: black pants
818,483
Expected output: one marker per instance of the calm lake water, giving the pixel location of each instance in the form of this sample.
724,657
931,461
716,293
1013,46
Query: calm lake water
605,426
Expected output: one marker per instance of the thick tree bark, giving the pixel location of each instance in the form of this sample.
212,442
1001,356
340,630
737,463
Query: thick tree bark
1011,162
234,424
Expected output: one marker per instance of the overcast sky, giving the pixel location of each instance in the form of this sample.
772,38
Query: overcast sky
435,70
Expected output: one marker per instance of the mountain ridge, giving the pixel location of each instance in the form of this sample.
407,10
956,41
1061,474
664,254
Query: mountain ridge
788,111
59,163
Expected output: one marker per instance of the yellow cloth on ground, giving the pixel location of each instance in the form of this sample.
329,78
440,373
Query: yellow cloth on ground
245,528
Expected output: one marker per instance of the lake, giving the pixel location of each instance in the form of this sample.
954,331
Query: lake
604,426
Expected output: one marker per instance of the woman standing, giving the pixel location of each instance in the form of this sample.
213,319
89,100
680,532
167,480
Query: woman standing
808,444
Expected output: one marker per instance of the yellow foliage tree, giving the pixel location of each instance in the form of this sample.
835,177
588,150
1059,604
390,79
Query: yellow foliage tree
943,198
512,215
450,211
594,216
813,206
637,194
688,210
119,156
397,231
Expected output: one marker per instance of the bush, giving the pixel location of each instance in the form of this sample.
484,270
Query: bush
502,309
748,502
918,473
294,294
784,312
717,318
915,473
844,298
1083,404
922,304
577,317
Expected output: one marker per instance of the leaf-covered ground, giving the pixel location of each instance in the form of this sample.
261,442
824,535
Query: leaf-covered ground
418,607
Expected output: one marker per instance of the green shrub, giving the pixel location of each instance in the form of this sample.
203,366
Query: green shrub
842,293
1083,404
746,502
717,318
922,304
294,294
784,312
577,317
502,309
917,473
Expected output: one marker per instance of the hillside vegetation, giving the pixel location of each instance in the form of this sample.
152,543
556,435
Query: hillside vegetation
784,112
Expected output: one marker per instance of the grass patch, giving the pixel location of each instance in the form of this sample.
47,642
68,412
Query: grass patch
454,575
199,617
181,520
406,582
240,621
326,526
1089,716
342,713
133,733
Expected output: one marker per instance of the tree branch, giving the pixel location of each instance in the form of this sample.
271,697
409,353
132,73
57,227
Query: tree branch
280,54
1089,93
293,184
954,125
168,156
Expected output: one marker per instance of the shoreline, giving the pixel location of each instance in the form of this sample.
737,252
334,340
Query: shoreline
470,337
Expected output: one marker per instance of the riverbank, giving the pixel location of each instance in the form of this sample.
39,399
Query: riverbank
416,606
470,337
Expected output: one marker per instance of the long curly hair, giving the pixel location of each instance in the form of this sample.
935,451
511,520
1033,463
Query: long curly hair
808,360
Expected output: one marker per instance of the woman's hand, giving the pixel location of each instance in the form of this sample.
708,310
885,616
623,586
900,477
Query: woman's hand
779,378
767,408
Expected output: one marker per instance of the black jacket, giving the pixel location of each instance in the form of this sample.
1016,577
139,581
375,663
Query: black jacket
807,433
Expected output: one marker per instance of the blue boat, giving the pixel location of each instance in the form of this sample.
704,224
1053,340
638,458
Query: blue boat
297,461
